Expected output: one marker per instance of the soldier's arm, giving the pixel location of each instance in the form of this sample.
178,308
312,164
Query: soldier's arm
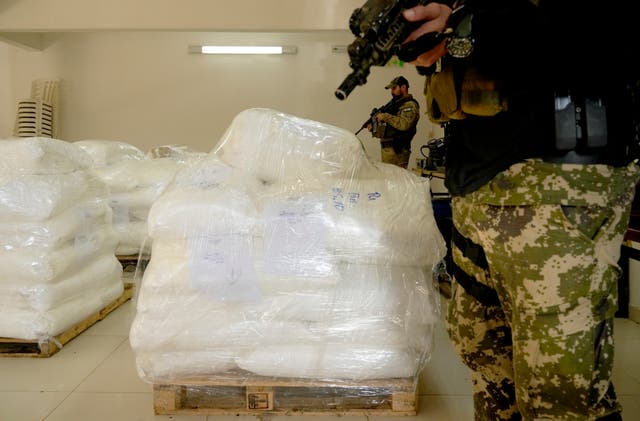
407,117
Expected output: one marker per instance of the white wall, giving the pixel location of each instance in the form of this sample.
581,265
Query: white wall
7,115
186,15
146,89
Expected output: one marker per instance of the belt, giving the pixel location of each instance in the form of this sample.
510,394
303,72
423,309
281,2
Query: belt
474,252
573,157
398,146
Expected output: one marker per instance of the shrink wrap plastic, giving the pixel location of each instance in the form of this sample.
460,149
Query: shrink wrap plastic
286,252
135,180
37,264
104,153
25,198
175,152
54,220
37,156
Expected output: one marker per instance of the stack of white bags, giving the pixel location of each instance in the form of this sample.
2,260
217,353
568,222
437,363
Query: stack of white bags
135,180
287,253
57,260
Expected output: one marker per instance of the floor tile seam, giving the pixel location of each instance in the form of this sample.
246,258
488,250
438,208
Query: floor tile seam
57,406
38,391
75,393
85,377
89,392
95,367
126,335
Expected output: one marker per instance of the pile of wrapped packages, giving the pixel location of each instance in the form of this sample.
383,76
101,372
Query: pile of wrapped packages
286,252
135,180
57,260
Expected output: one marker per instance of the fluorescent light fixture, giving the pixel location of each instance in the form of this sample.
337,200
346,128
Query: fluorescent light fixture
243,49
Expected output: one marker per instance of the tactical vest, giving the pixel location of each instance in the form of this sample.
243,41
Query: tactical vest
401,138
505,32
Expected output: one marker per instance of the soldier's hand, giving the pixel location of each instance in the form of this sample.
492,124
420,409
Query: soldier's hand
382,116
434,16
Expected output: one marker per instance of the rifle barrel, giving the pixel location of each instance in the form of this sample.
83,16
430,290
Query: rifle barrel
355,78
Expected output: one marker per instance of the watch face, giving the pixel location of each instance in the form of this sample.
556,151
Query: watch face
459,47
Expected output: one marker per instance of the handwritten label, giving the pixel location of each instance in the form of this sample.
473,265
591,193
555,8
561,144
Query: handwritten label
342,199
222,267
295,237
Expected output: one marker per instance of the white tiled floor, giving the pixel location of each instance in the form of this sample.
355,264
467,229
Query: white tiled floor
94,378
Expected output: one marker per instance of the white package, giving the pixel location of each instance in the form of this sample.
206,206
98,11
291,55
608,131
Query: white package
43,264
36,197
40,155
55,227
95,276
76,221
276,146
292,251
109,152
332,361
39,326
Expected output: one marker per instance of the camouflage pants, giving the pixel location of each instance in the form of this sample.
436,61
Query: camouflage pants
551,234
389,155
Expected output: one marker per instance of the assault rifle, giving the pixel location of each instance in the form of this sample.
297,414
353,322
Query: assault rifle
380,29
372,120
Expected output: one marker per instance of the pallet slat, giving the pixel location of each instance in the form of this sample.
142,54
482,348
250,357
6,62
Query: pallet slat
10,347
287,397
130,262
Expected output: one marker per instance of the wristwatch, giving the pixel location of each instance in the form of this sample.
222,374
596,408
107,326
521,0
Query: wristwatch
460,44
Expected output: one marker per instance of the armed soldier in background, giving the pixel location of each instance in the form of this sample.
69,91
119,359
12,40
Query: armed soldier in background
395,123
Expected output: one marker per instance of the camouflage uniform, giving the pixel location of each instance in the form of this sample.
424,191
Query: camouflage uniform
389,156
404,123
551,234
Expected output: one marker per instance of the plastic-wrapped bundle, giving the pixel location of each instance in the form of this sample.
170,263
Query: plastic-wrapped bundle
36,155
332,361
135,181
55,219
276,147
58,230
41,325
383,220
296,258
339,308
38,197
109,152
36,264
93,277
206,198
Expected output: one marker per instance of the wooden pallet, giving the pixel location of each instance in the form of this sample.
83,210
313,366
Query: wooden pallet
130,262
10,347
254,396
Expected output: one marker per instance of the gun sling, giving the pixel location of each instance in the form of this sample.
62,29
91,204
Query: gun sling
472,251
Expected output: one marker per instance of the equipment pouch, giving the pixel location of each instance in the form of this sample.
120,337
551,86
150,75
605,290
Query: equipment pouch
442,96
378,129
479,95
449,99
